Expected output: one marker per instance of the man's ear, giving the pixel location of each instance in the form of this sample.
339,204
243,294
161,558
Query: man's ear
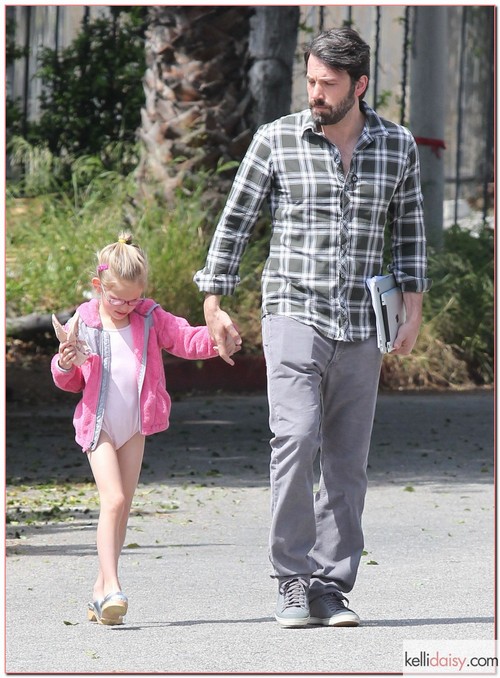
361,85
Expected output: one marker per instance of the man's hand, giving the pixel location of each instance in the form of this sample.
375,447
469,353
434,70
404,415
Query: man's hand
224,334
408,332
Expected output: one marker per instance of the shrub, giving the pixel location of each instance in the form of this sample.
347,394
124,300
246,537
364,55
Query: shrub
460,306
39,172
92,90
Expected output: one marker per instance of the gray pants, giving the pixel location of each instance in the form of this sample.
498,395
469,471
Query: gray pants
322,396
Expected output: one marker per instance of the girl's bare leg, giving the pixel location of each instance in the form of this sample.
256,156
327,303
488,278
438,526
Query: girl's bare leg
116,473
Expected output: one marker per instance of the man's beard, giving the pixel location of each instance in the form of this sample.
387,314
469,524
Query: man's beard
335,113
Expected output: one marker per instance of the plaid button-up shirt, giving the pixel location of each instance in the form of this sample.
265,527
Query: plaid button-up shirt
327,227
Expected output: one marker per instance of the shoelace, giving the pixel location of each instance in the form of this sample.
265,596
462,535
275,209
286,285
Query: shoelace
294,594
334,602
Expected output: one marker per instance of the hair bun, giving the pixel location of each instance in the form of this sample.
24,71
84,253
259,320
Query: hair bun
125,238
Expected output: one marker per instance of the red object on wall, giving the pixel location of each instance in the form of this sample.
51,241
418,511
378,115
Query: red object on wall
435,144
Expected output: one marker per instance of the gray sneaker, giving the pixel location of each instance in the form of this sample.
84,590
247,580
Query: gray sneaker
331,610
292,608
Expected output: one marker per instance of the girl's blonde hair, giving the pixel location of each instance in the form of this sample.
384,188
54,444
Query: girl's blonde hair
122,260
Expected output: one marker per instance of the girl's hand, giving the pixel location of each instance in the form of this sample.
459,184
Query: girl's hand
231,346
67,355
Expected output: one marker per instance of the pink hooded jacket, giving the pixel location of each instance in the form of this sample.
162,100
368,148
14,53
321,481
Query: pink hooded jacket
153,329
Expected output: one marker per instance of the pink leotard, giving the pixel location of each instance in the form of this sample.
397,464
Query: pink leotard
121,413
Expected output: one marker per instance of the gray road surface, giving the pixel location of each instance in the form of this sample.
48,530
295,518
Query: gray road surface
196,568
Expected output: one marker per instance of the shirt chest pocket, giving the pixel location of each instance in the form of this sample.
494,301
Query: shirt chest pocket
370,203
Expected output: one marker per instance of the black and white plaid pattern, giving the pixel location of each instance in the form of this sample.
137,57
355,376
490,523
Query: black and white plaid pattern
327,228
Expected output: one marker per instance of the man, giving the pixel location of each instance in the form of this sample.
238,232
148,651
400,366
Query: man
335,176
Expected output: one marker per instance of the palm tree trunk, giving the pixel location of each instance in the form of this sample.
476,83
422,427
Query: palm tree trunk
198,101
213,75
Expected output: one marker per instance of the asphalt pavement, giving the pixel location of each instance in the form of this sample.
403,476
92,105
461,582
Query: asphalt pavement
195,563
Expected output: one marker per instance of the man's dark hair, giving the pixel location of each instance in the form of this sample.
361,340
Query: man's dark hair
343,49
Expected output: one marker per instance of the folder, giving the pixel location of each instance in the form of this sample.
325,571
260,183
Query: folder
387,301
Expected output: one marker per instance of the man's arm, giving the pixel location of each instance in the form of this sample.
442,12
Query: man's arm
406,223
408,332
224,334
220,273
409,252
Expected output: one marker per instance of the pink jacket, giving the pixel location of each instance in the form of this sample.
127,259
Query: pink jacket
153,329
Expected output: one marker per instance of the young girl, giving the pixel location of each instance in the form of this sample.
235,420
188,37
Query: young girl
116,361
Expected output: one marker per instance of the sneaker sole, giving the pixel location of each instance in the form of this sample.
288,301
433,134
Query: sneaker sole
336,620
292,623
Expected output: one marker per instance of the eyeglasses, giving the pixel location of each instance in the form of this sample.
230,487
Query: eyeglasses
120,302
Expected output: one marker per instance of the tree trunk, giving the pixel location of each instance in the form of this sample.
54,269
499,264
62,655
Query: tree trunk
198,102
213,75
33,325
273,41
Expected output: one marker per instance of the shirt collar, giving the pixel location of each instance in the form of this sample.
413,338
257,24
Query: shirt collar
308,124
374,125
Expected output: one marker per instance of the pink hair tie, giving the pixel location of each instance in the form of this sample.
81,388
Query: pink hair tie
102,267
